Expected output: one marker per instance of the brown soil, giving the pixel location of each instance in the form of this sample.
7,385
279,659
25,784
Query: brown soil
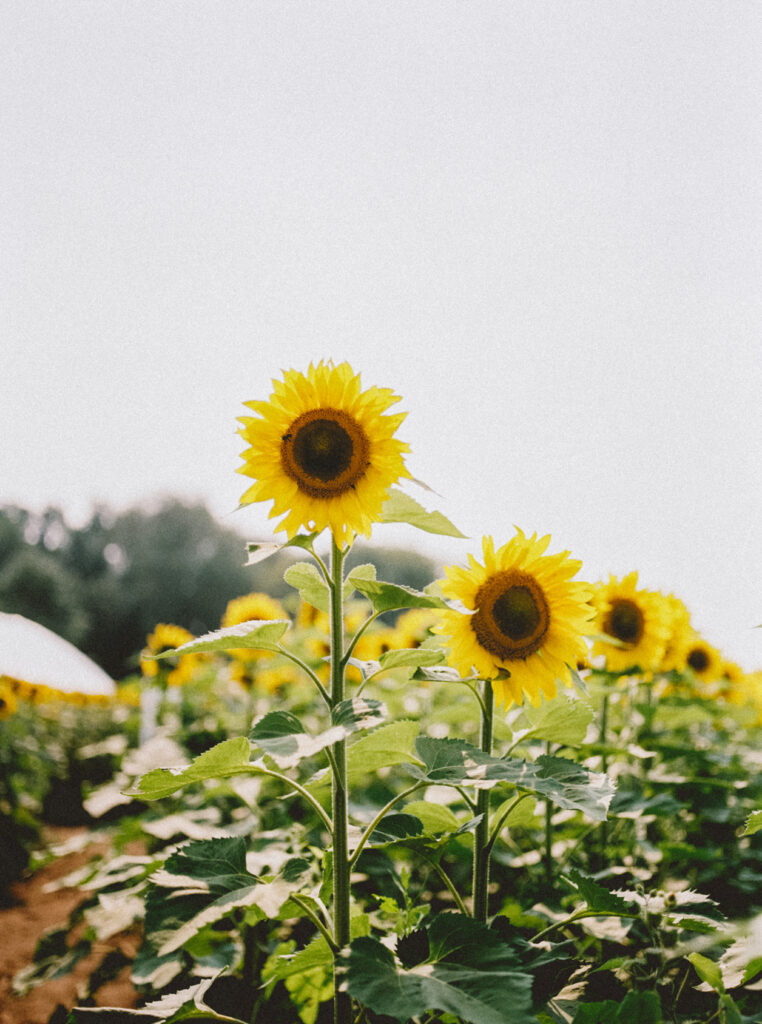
34,911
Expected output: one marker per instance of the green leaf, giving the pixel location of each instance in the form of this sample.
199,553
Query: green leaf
435,818
259,552
255,635
218,863
596,896
453,964
635,1008
394,828
453,762
386,746
522,815
281,735
562,720
367,571
401,508
231,757
411,657
391,744
387,597
753,824
266,897
188,1004
708,971
317,954
304,577
437,674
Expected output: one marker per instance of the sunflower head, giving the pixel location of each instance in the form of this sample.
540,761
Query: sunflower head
676,649
704,660
639,621
525,618
8,700
166,637
323,451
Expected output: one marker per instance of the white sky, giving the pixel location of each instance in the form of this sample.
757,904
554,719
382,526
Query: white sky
541,223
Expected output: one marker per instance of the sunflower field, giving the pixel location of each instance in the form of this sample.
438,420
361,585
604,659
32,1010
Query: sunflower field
511,796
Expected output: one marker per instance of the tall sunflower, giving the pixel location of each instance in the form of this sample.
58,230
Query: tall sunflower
526,617
323,451
640,620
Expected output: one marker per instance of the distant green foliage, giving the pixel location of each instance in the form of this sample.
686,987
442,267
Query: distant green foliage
106,584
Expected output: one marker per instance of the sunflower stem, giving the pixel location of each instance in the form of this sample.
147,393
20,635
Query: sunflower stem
548,851
604,834
342,1003
482,848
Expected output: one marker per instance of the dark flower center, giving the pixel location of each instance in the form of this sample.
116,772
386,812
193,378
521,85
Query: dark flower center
516,613
698,660
323,449
511,618
325,452
625,621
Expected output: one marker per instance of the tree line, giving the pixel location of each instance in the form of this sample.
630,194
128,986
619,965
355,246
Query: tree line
106,584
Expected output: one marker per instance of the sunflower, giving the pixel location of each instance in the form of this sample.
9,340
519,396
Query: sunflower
526,618
8,701
676,650
414,626
703,660
323,451
639,620
252,606
166,637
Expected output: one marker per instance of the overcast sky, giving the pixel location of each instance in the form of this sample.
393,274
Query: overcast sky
540,223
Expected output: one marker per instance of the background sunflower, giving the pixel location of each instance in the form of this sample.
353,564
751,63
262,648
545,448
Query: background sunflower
525,618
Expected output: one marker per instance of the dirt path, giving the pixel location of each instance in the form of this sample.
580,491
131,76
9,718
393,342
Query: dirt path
33,912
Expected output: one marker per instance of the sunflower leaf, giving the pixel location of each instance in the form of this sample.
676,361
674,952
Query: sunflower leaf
596,896
437,674
407,657
753,824
281,735
563,721
304,577
394,828
259,552
231,757
256,635
454,762
452,964
708,971
401,508
367,571
387,597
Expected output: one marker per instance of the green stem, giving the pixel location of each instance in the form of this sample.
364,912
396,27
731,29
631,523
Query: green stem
578,917
496,830
604,835
342,1003
387,807
358,634
548,852
450,885
296,898
258,770
482,848
305,668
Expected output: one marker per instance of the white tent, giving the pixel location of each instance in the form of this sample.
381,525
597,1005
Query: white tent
35,654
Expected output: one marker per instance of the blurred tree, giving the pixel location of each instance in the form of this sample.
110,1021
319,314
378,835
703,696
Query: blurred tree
107,584
36,584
